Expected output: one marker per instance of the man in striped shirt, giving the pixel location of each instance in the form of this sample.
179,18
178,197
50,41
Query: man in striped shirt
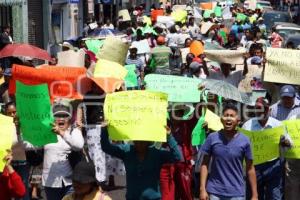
287,106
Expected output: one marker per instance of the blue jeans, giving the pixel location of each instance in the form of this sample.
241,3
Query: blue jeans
22,168
58,193
217,197
269,180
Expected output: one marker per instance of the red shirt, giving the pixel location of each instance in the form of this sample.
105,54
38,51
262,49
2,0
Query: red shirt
11,186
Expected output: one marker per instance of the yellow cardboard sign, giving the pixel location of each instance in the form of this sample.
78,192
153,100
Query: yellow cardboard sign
279,69
114,50
213,121
293,129
226,56
6,131
125,15
136,115
264,143
109,69
179,15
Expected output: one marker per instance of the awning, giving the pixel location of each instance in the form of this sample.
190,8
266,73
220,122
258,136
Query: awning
10,2
59,1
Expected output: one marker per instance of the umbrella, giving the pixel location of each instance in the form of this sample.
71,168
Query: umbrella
212,45
226,90
26,50
102,32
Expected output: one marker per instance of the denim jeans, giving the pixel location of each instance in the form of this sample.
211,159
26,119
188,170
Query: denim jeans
217,197
58,193
269,180
22,168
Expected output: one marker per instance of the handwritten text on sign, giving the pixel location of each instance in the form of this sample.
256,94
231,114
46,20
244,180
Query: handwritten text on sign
293,129
283,66
179,89
34,111
136,115
226,56
265,143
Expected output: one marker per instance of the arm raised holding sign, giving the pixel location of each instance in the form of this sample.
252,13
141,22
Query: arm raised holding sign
143,162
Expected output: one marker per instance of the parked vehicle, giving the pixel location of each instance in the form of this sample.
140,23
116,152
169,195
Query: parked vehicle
265,5
293,40
272,16
286,29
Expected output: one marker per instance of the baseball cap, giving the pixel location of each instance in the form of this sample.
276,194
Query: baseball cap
287,91
62,107
84,172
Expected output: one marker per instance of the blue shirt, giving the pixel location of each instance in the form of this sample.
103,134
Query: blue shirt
226,173
142,177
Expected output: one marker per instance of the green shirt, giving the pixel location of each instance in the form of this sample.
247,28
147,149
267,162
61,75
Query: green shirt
161,55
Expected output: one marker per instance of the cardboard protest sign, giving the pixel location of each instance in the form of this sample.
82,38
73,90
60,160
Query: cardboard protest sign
131,79
213,121
218,11
94,45
178,7
207,13
71,58
114,50
206,6
254,72
179,15
283,66
197,13
107,84
106,68
142,46
125,15
196,48
226,13
206,26
34,111
293,129
264,143
156,13
226,56
184,53
252,4
7,128
241,17
136,115
60,80
147,20
179,89
167,20
199,134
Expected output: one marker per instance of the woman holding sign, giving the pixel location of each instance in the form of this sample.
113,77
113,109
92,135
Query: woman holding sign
57,168
143,163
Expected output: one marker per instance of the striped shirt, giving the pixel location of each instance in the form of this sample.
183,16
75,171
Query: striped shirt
137,62
279,112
